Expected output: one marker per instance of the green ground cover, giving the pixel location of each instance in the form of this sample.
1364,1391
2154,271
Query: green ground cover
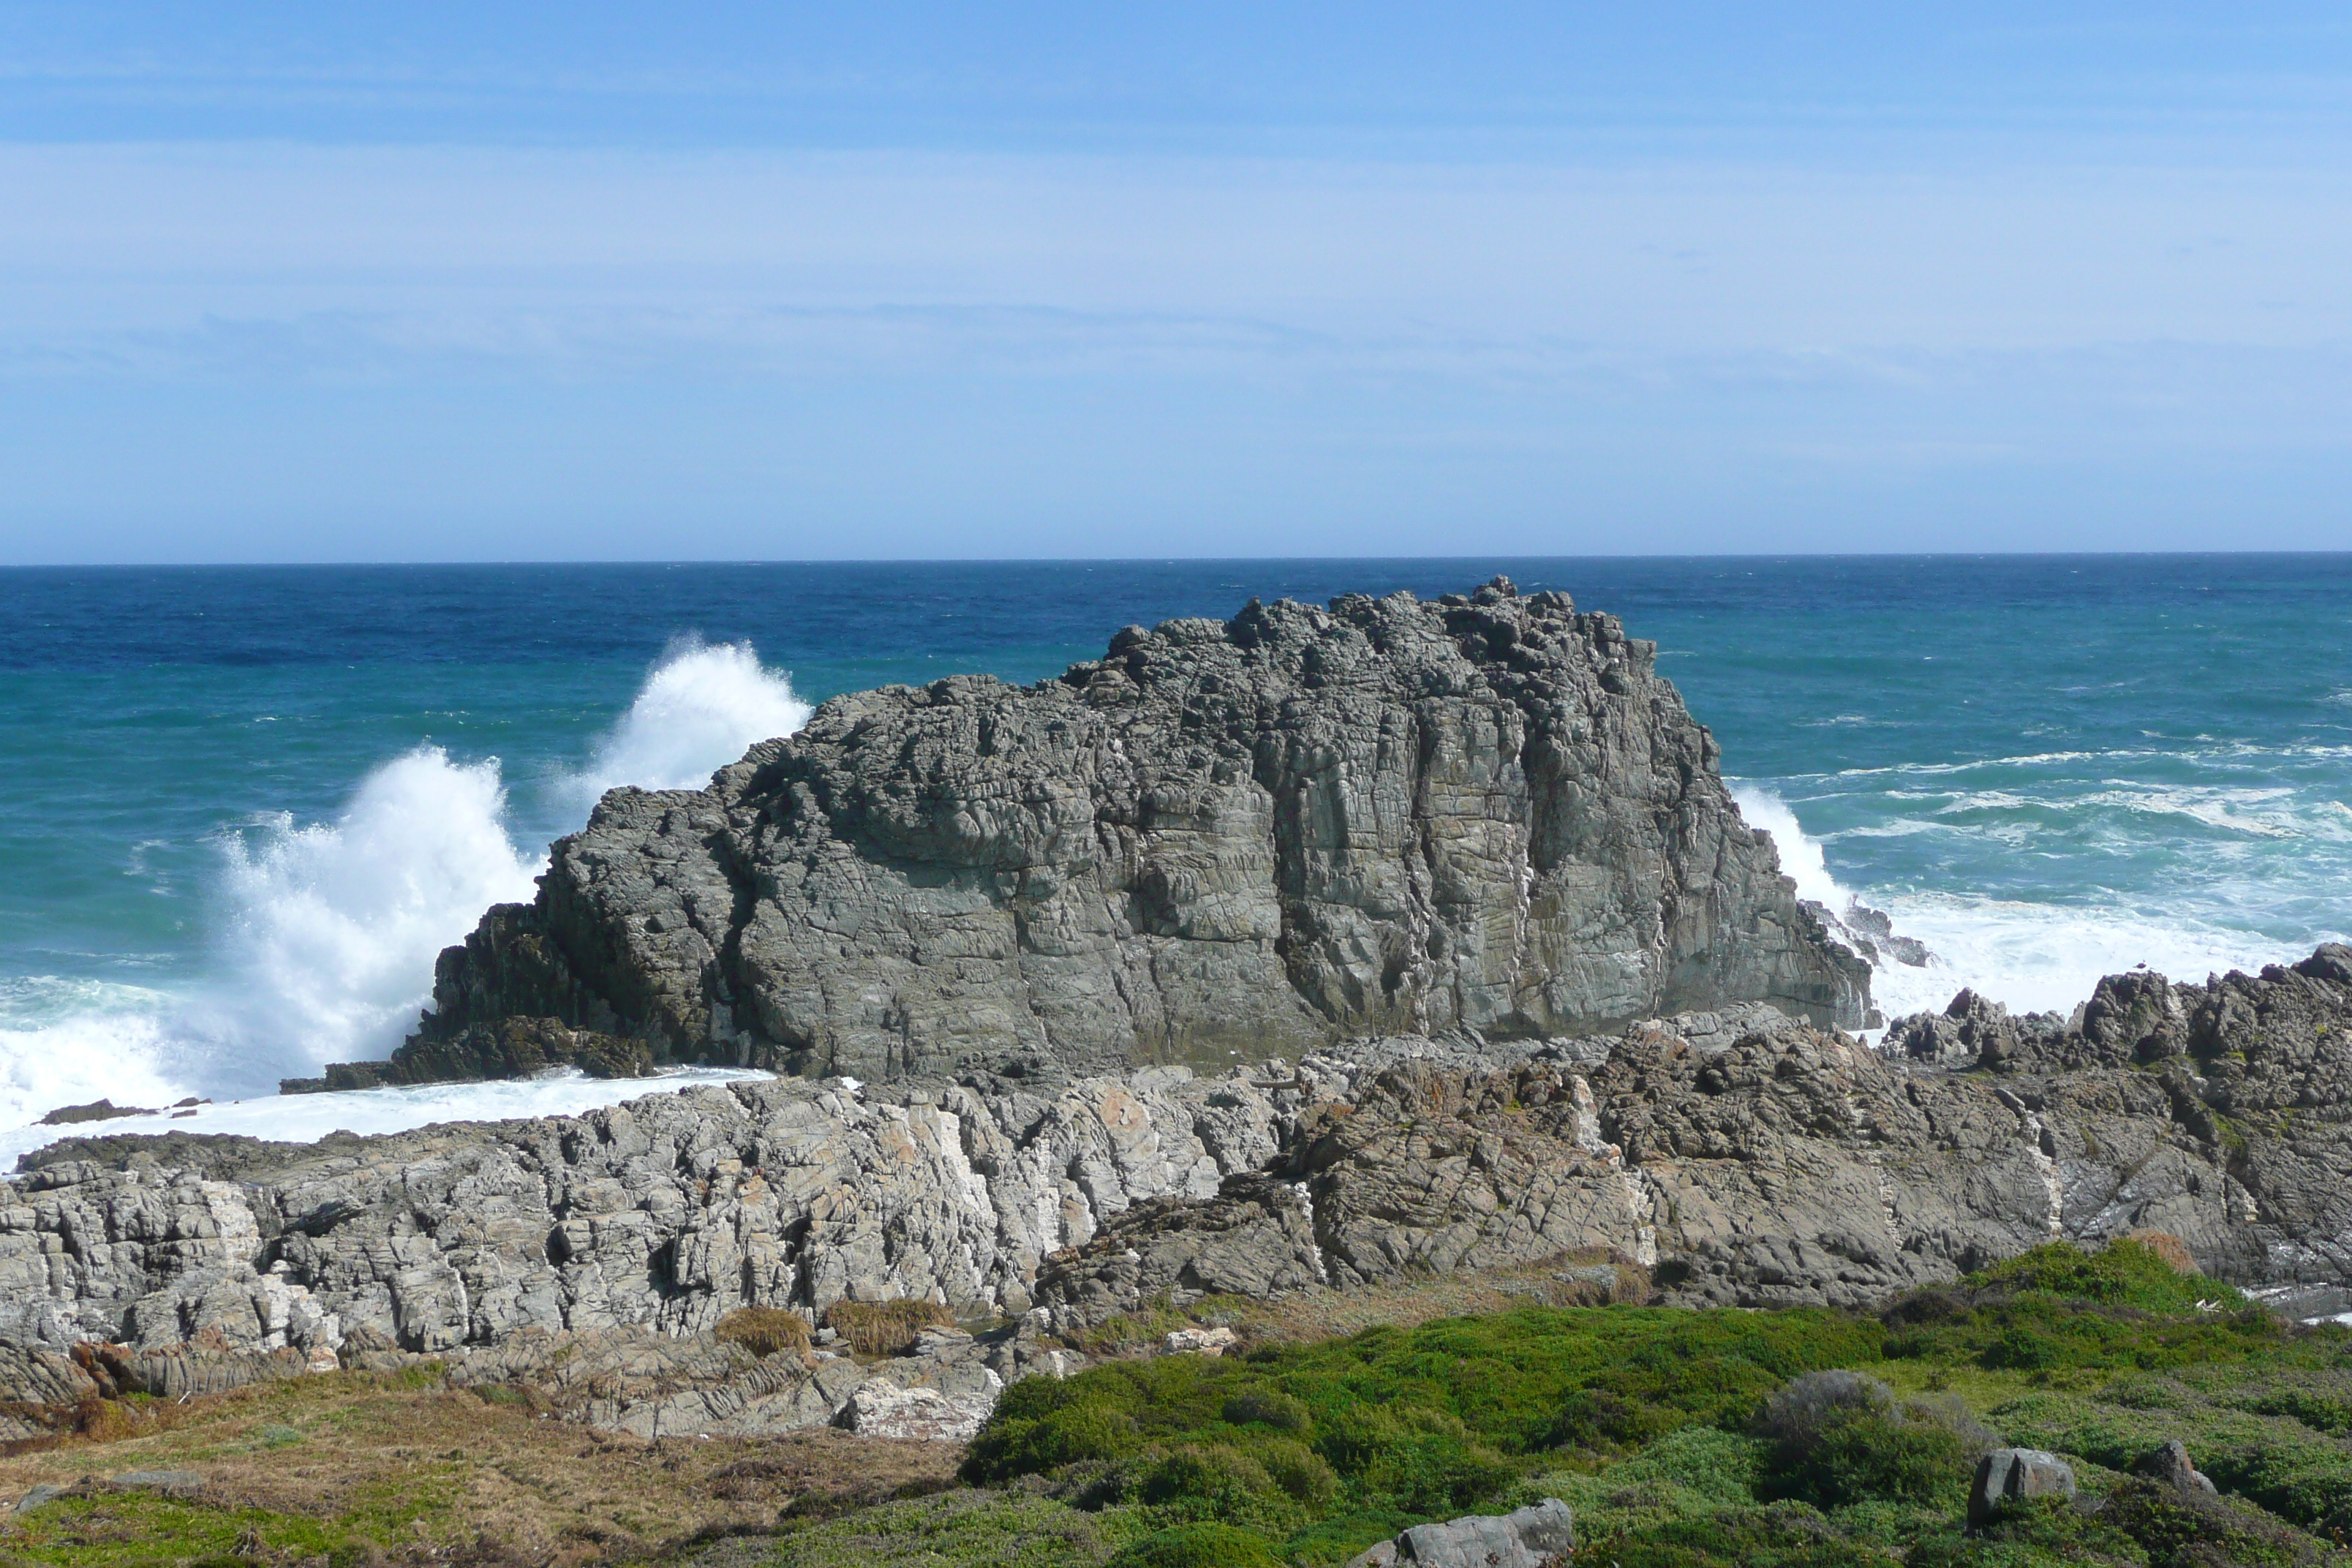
1680,1439
1693,1439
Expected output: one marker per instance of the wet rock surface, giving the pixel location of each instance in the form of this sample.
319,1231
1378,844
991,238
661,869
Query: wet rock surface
1223,839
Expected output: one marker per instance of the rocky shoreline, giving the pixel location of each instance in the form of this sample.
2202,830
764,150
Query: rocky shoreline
1742,1157
1307,952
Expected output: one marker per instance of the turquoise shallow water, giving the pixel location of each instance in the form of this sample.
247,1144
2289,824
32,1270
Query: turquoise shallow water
241,809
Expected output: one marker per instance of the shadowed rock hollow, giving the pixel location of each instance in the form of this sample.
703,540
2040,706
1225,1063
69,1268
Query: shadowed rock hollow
1224,838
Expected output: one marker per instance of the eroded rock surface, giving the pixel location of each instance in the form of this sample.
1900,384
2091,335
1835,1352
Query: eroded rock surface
1224,838
1746,1157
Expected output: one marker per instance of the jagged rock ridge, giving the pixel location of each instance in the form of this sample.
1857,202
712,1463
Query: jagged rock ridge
1750,1157
1224,840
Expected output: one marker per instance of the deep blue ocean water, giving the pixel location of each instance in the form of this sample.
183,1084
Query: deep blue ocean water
241,808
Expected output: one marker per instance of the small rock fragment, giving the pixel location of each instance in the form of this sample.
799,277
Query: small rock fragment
2169,1464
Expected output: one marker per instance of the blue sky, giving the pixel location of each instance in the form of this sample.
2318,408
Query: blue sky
489,281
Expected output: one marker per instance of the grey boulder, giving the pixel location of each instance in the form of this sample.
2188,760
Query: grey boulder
1532,1537
2014,1475
2168,1465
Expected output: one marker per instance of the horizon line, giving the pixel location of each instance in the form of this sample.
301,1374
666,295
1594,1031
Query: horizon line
1154,560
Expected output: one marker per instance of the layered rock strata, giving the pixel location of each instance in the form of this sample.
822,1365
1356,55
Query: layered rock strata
1747,1157
1222,840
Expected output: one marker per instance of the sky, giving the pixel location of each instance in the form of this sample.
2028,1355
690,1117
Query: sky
489,282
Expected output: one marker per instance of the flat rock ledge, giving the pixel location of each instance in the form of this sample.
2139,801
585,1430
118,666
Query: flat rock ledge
1746,1157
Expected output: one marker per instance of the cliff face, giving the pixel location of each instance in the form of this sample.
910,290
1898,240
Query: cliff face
1224,838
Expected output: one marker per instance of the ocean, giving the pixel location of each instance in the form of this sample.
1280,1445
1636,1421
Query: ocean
242,808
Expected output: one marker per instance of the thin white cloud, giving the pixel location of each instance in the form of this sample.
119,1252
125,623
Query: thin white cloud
1706,258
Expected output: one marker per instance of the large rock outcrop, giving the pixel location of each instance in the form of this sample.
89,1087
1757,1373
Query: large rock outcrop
1747,1157
1223,841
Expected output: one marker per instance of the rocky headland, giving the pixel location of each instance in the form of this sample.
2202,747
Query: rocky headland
1307,952
1223,841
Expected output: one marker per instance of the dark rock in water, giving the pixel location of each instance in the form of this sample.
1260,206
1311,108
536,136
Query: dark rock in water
1221,840
2014,1475
2330,961
1878,926
2168,1465
96,1110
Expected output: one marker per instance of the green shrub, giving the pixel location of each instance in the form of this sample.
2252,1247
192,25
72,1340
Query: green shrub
2302,1475
1873,1457
1069,1436
1265,1407
1303,1476
973,1527
1785,1535
1200,1545
2046,1334
2123,1273
2031,1532
1211,1482
1839,1439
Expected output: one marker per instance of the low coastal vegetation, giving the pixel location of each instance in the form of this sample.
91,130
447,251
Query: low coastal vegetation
1804,1438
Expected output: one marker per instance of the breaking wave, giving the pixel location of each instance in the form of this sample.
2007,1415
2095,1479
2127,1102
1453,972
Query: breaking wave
701,705
325,933
2047,952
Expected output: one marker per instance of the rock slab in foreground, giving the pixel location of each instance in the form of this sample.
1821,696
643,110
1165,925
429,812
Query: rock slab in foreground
1224,838
1540,1536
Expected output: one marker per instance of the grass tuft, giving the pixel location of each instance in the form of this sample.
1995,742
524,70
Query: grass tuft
885,1328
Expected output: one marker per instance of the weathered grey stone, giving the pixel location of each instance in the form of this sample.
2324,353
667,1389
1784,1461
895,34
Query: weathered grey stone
880,1409
2011,1475
1745,1158
1224,838
1540,1536
1971,1029
2168,1463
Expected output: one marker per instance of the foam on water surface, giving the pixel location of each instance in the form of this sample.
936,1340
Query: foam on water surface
246,809
306,1118
326,932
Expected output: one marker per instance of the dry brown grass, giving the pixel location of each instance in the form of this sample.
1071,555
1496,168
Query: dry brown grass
414,1467
2166,1246
885,1327
764,1330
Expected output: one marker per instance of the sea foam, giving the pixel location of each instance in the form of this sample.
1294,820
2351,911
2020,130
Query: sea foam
325,933
2032,955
